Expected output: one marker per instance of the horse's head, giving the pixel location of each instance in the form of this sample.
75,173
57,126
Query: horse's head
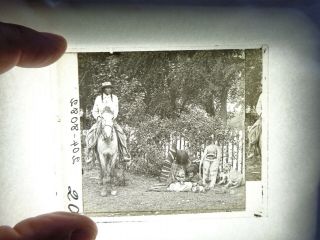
107,125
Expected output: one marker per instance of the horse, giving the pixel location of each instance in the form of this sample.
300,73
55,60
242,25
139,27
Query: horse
107,149
255,138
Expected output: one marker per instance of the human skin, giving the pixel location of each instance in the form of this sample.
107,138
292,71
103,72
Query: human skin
25,47
51,226
107,90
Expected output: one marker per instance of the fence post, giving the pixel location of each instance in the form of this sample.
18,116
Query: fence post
222,154
184,143
243,144
227,153
237,157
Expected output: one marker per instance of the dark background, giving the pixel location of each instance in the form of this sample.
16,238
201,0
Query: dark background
310,7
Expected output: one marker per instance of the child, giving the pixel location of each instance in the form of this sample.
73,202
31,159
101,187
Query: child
180,185
192,174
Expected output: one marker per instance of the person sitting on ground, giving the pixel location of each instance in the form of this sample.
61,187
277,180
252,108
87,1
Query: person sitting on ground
192,174
180,185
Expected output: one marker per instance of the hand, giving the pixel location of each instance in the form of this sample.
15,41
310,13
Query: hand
52,226
25,47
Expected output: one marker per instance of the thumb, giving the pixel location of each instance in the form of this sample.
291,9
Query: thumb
52,226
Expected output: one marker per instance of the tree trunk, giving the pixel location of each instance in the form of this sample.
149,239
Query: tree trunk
210,105
223,105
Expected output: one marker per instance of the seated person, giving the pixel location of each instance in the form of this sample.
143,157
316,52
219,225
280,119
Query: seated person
192,174
231,177
194,177
180,185
197,188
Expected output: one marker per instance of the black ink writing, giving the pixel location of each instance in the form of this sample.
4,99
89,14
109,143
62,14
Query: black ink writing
74,149
74,120
72,196
73,102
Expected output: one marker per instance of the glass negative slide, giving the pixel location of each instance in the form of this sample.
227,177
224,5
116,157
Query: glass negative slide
166,132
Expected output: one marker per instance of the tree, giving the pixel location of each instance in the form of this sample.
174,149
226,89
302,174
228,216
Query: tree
182,93
253,80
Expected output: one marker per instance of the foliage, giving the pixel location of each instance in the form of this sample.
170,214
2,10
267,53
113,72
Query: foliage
253,76
168,94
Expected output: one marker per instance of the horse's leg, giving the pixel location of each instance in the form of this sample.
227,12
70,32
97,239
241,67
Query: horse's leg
112,164
123,175
104,175
94,156
260,145
98,158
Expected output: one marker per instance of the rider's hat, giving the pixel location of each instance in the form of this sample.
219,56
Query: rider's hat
106,85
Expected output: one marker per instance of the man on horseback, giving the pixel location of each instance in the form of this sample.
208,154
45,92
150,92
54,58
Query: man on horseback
107,102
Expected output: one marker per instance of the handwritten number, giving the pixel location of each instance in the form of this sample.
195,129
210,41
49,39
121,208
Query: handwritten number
73,208
75,127
73,102
74,111
75,159
74,120
75,150
73,194
74,144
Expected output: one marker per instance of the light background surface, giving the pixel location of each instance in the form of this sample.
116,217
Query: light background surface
28,110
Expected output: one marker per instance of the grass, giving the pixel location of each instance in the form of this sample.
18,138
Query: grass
134,199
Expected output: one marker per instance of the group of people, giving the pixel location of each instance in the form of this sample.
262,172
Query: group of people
205,176
186,176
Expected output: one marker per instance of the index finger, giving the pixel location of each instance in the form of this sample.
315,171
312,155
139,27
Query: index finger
25,47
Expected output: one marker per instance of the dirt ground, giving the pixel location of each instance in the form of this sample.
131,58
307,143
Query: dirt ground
134,199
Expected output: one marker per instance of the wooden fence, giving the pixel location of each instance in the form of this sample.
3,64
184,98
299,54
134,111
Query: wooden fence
232,150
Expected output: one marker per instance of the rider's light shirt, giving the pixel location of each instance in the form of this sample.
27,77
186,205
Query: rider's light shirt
100,104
